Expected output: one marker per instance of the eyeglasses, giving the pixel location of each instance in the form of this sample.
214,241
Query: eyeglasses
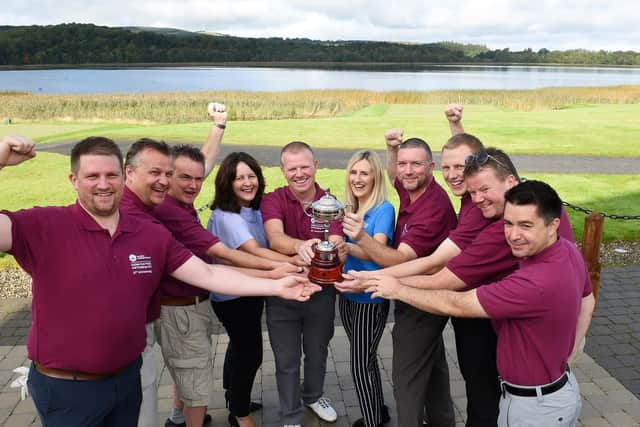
480,158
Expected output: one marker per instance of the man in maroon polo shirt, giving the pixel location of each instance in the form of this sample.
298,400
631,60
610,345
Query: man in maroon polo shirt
87,327
540,312
292,326
488,174
148,170
188,354
425,219
472,335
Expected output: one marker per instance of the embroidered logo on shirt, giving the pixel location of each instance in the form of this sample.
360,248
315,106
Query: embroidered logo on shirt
140,264
405,229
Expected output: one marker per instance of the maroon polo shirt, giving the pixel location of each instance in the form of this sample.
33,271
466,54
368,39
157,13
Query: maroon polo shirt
132,205
534,312
90,290
489,256
282,204
426,222
470,223
183,222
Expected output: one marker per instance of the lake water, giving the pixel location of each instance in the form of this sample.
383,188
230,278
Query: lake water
283,79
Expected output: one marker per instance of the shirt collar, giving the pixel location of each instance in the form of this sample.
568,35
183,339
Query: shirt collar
89,223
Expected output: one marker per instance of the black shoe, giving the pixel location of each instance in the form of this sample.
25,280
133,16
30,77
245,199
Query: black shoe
169,423
385,414
385,418
233,421
253,406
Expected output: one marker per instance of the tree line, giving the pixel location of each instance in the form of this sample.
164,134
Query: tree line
77,44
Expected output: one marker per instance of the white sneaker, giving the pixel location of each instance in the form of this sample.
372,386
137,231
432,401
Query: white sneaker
292,425
324,410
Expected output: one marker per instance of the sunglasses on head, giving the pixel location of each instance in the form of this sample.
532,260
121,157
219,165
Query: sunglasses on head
480,158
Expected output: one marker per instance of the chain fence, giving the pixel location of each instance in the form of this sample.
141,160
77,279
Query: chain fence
604,214
567,204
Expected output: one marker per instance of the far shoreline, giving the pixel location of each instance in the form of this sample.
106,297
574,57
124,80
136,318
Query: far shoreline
354,66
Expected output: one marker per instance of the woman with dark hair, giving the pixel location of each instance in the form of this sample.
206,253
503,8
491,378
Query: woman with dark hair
237,221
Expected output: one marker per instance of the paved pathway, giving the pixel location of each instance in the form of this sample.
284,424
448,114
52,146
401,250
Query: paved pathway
609,371
337,159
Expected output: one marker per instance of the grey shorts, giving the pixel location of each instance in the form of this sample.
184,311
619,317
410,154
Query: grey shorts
557,409
184,335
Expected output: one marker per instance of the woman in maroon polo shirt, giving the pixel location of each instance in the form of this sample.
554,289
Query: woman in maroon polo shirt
237,221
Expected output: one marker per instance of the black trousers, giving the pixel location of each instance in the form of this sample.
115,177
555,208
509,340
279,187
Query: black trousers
476,347
241,318
420,371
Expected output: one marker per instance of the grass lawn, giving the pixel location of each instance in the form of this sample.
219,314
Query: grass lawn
599,130
44,181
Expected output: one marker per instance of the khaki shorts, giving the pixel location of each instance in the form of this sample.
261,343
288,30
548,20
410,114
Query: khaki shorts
184,335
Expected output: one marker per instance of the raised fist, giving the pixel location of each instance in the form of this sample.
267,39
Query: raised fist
217,112
453,112
393,137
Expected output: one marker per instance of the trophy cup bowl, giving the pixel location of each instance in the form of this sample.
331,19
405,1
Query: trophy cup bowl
326,267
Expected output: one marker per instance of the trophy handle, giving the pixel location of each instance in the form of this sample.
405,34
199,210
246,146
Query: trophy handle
306,210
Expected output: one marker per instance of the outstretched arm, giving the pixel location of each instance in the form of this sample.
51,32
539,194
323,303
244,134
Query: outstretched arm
211,148
224,280
425,265
442,302
453,113
376,250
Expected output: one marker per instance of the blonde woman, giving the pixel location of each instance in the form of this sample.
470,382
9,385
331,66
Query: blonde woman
364,318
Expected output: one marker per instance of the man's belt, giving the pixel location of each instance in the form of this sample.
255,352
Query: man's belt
75,375
532,391
182,301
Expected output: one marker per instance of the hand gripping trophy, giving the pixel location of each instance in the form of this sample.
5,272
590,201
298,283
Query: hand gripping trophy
326,267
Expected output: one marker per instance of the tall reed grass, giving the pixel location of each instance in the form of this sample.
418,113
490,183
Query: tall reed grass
187,107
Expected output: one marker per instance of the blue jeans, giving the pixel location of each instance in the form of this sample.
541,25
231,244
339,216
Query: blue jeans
113,401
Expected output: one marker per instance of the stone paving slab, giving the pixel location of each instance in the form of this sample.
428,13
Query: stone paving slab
606,402
608,372
613,340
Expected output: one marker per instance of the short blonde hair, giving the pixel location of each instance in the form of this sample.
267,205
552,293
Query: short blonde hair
379,190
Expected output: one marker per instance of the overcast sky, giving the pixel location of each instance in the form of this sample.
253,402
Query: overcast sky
516,24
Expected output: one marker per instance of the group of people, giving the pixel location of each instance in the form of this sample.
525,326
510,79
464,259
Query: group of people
145,269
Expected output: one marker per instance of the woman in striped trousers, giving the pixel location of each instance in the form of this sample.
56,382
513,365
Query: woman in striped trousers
364,318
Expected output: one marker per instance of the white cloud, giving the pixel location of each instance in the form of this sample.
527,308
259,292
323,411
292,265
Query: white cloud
516,24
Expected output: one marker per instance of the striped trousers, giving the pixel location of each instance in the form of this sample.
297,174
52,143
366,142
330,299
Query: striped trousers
364,324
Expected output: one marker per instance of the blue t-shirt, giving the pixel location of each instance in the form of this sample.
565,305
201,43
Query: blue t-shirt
380,219
235,229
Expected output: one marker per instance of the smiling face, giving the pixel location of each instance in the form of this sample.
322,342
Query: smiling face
149,177
361,180
414,169
99,184
452,165
187,180
487,191
245,185
525,230
299,169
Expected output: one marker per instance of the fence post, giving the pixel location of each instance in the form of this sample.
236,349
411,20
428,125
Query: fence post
591,240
